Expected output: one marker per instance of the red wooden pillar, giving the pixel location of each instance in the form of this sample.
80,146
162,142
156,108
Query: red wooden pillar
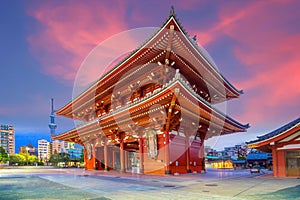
89,163
202,137
167,154
274,161
122,155
85,158
188,157
105,149
141,150
94,155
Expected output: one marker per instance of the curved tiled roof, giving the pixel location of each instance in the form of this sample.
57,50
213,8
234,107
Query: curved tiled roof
276,132
257,156
198,48
166,87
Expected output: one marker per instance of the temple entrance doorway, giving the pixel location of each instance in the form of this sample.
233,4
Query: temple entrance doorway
293,163
134,162
117,163
99,154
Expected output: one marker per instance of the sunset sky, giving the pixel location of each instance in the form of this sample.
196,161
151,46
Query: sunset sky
255,44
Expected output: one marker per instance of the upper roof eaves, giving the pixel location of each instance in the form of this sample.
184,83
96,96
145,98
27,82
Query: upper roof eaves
276,132
167,87
200,50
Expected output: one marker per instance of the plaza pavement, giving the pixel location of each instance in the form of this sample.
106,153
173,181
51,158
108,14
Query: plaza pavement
215,184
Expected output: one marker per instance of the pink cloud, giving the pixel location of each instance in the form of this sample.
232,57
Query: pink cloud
69,31
262,43
266,43
270,52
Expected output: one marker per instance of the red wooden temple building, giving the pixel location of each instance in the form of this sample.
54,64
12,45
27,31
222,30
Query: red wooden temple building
284,144
152,111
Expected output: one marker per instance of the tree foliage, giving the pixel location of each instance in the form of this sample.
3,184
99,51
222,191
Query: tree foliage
3,156
17,159
81,159
241,158
23,159
59,157
33,159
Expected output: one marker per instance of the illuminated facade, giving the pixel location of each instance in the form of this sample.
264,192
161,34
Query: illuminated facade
29,149
152,112
7,138
59,146
43,150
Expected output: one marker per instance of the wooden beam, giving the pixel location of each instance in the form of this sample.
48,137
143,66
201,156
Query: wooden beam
173,102
282,144
187,148
106,168
141,153
167,130
169,45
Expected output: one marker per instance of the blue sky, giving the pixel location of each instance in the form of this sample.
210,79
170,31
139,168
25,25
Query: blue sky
255,44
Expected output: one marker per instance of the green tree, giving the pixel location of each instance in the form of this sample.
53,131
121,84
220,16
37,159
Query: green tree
26,157
241,158
54,158
3,156
63,157
17,159
23,159
81,159
59,157
33,159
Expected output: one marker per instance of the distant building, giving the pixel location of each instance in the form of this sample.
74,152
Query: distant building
264,160
236,151
31,150
69,148
43,150
230,151
7,138
71,145
230,157
59,146
74,153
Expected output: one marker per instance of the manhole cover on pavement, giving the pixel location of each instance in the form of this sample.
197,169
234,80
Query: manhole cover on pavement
169,185
211,184
101,198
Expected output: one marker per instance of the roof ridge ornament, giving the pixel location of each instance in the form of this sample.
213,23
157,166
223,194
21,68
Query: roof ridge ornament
172,12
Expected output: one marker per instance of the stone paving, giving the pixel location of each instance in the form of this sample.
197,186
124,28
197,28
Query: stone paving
80,184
